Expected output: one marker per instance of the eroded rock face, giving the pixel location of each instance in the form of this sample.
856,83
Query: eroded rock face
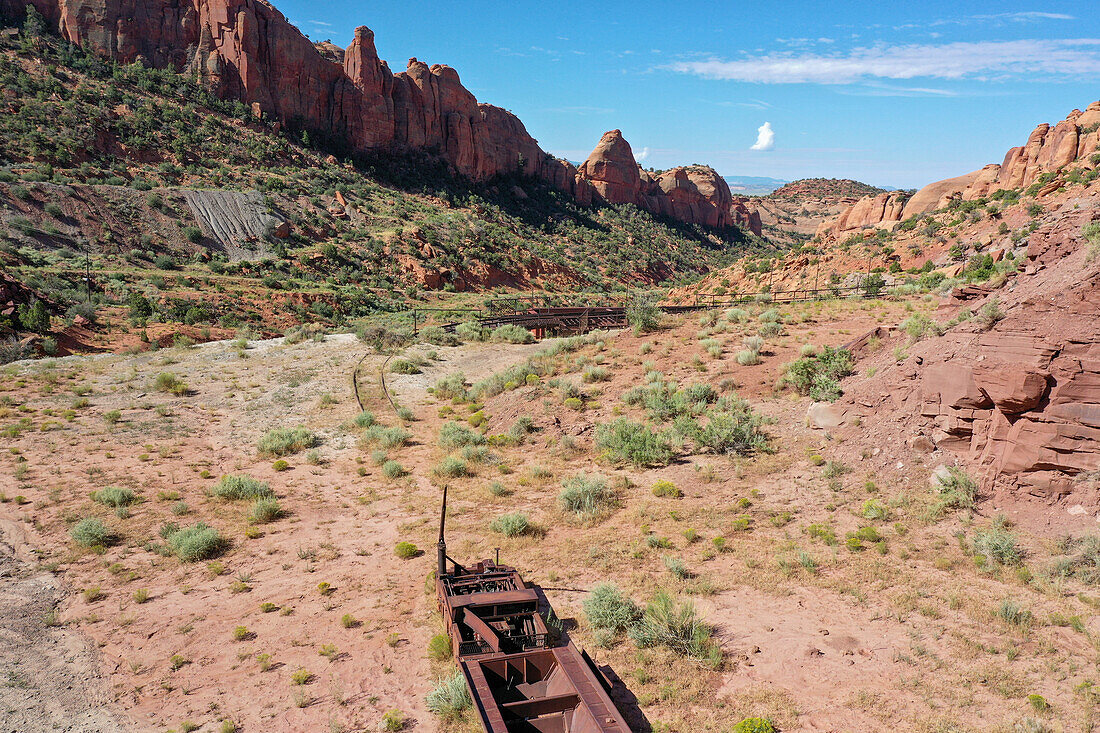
695,194
1048,150
247,50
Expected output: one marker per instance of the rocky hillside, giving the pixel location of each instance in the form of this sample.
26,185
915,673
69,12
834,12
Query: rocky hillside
1051,159
824,189
217,218
792,213
348,100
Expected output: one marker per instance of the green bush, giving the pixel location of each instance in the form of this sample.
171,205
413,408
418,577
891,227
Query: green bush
169,382
513,524
364,419
632,442
440,648
198,542
386,438
404,366
265,510
472,331
452,435
406,550
607,608
90,532
586,496
956,491
234,487
676,626
667,488
114,496
450,697
436,336
393,469
818,376
512,334
919,326
285,441
734,431
754,725
451,467
451,387
999,545
643,315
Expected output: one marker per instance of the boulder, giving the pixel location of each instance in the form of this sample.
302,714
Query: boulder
1013,389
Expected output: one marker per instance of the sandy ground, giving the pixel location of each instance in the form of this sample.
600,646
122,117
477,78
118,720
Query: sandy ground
817,637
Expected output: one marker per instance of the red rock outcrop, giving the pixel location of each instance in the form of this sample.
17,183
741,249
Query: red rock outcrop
247,50
1072,141
881,210
695,194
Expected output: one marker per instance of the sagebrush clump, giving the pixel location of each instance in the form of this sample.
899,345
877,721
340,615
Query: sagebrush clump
286,441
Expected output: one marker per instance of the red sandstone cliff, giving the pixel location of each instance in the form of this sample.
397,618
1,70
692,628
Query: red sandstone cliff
695,194
247,50
1048,150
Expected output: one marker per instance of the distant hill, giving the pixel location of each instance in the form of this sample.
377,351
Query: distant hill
753,185
825,188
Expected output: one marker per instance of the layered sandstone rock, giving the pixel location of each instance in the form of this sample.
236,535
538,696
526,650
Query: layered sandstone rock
882,210
695,194
1073,141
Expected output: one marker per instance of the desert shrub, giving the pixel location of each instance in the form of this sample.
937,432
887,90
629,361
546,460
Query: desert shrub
874,509
989,314
114,496
236,487
452,435
285,441
91,532
303,332
393,720
450,697
406,550
675,566
643,315
386,438
755,725
198,542
1013,613
393,469
737,430
596,374
364,419
918,326
436,336
1081,559
1091,232
404,366
665,400
451,387
521,428
586,496
451,467
818,376
633,442
264,510
666,488
472,331
676,626
607,608
440,648
956,491
169,382
512,334
747,357
512,524
998,545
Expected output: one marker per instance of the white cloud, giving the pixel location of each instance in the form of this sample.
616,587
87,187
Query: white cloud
765,137
643,155
962,60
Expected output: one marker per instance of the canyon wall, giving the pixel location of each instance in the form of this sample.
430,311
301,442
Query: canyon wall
247,50
1048,150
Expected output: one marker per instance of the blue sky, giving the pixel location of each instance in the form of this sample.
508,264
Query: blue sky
891,93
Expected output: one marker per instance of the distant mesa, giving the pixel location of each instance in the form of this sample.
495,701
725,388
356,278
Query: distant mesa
249,51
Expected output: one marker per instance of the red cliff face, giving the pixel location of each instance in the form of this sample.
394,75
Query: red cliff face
1048,150
247,50
693,194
